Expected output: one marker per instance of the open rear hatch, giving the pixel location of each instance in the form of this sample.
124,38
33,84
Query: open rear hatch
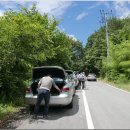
53,91
57,73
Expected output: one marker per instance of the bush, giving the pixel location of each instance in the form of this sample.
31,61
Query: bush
122,78
6,109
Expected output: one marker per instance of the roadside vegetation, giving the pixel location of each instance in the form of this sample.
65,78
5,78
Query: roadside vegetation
121,85
124,86
29,39
117,69
6,110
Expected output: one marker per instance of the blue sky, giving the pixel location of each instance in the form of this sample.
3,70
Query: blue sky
79,19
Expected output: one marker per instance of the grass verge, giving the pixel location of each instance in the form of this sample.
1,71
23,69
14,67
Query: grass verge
10,113
121,85
6,110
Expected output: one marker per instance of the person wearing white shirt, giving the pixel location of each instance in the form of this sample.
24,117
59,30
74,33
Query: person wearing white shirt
44,87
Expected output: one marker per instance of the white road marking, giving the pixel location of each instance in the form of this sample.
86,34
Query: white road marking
117,88
87,112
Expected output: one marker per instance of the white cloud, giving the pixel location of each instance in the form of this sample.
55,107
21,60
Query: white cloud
122,9
107,4
95,5
81,15
56,7
1,13
73,37
6,5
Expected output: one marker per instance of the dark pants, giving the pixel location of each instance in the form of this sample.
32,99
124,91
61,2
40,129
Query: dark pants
81,82
43,93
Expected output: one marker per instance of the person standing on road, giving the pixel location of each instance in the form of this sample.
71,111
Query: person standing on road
44,87
81,78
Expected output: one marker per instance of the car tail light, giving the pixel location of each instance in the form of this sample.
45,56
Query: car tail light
28,90
66,89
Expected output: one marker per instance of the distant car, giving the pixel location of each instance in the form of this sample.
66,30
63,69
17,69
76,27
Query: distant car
65,98
91,77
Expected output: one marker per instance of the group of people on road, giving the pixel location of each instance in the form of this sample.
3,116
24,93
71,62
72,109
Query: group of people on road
81,77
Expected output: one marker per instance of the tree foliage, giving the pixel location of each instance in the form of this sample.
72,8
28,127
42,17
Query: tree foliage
118,67
28,39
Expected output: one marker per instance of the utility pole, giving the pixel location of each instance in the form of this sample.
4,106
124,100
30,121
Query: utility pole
104,19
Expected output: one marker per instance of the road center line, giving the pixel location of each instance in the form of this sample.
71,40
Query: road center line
87,112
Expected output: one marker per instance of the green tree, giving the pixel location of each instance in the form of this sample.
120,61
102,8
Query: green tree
25,39
96,50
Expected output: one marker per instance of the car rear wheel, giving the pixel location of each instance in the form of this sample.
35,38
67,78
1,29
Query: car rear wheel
70,106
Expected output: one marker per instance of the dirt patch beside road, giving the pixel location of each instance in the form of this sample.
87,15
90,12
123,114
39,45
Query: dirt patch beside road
13,120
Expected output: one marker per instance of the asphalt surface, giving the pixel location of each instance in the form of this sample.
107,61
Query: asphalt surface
107,108
60,117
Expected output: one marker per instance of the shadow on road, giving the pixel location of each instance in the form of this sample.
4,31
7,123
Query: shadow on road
56,112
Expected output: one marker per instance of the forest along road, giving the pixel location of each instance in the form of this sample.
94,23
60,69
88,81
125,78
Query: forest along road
98,106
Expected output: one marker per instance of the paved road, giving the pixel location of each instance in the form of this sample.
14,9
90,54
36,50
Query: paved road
60,117
107,108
